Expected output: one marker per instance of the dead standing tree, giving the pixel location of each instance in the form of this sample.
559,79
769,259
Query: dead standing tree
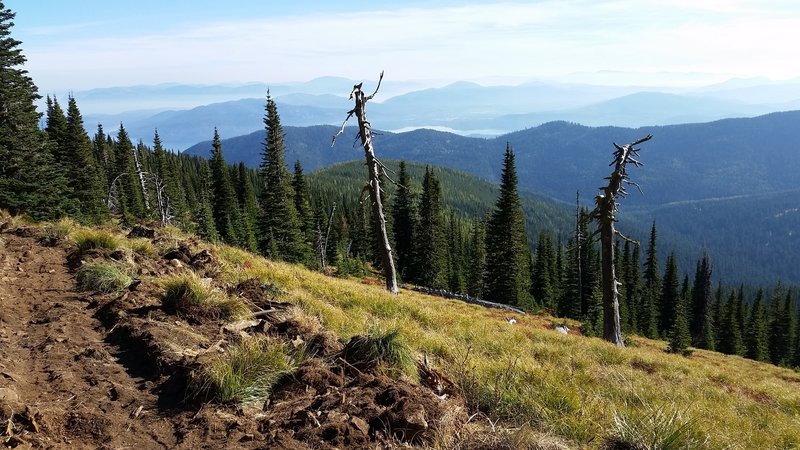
605,214
376,169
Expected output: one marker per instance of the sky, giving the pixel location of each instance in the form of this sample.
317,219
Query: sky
79,45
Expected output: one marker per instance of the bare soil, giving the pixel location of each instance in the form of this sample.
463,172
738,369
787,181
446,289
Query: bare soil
86,371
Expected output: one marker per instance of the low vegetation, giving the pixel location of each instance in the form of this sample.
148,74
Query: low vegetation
90,239
188,295
246,372
102,277
383,348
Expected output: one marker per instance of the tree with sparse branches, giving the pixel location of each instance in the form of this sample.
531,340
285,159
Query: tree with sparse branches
376,170
605,214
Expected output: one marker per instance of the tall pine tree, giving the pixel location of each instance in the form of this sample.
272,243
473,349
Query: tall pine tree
404,215
281,236
224,204
86,184
431,249
507,276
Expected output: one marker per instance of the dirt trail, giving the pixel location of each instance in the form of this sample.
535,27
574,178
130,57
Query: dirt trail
60,378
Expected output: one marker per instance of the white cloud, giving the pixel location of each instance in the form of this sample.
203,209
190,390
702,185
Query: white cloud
543,39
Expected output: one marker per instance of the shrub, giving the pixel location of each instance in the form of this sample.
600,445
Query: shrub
142,246
55,232
384,348
102,277
246,372
187,295
96,239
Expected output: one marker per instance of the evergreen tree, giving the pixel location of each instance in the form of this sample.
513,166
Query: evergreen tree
281,236
404,215
507,278
204,217
701,324
56,129
476,260
30,179
86,186
541,275
791,313
679,337
730,341
224,204
126,187
104,155
455,257
633,288
757,338
247,205
171,186
669,296
431,250
779,326
305,214
648,320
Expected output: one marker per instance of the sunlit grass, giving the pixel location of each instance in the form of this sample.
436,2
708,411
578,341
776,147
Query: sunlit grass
579,388
102,277
187,295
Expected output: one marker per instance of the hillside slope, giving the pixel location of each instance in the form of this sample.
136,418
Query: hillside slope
116,369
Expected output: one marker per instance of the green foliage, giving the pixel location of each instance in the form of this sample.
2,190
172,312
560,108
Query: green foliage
430,256
189,296
756,336
507,276
404,218
246,372
247,204
383,348
669,296
701,323
279,225
660,428
102,277
679,336
85,182
224,205
165,172
87,239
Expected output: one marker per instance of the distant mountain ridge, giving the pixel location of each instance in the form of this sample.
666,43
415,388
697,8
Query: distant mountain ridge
683,162
465,108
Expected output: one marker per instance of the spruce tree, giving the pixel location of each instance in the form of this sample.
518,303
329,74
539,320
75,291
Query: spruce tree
701,324
103,154
756,336
541,275
204,217
507,276
126,186
171,186
779,326
30,179
281,236
455,256
224,204
247,205
476,260
305,214
86,186
648,320
633,288
679,337
431,248
404,217
669,296
730,339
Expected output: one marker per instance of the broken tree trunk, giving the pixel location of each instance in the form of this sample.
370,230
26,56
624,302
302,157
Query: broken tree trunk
376,169
605,215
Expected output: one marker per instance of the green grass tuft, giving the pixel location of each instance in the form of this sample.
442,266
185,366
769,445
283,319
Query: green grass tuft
384,348
659,428
102,277
87,239
189,296
246,372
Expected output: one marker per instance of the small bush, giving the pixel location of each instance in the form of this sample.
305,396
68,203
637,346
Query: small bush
352,267
102,277
246,372
381,348
187,295
96,239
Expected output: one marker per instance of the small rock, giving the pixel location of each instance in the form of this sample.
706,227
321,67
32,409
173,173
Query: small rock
26,253
176,263
562,329
360,424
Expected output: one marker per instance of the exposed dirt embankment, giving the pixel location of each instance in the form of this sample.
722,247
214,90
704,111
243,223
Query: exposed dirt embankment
83,370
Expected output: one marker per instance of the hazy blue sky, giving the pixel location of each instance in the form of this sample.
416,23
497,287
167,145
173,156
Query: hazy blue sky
93,43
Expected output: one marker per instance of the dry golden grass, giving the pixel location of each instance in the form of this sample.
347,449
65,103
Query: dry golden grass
580,389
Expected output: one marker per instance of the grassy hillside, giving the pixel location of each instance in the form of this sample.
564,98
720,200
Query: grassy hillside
524,378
